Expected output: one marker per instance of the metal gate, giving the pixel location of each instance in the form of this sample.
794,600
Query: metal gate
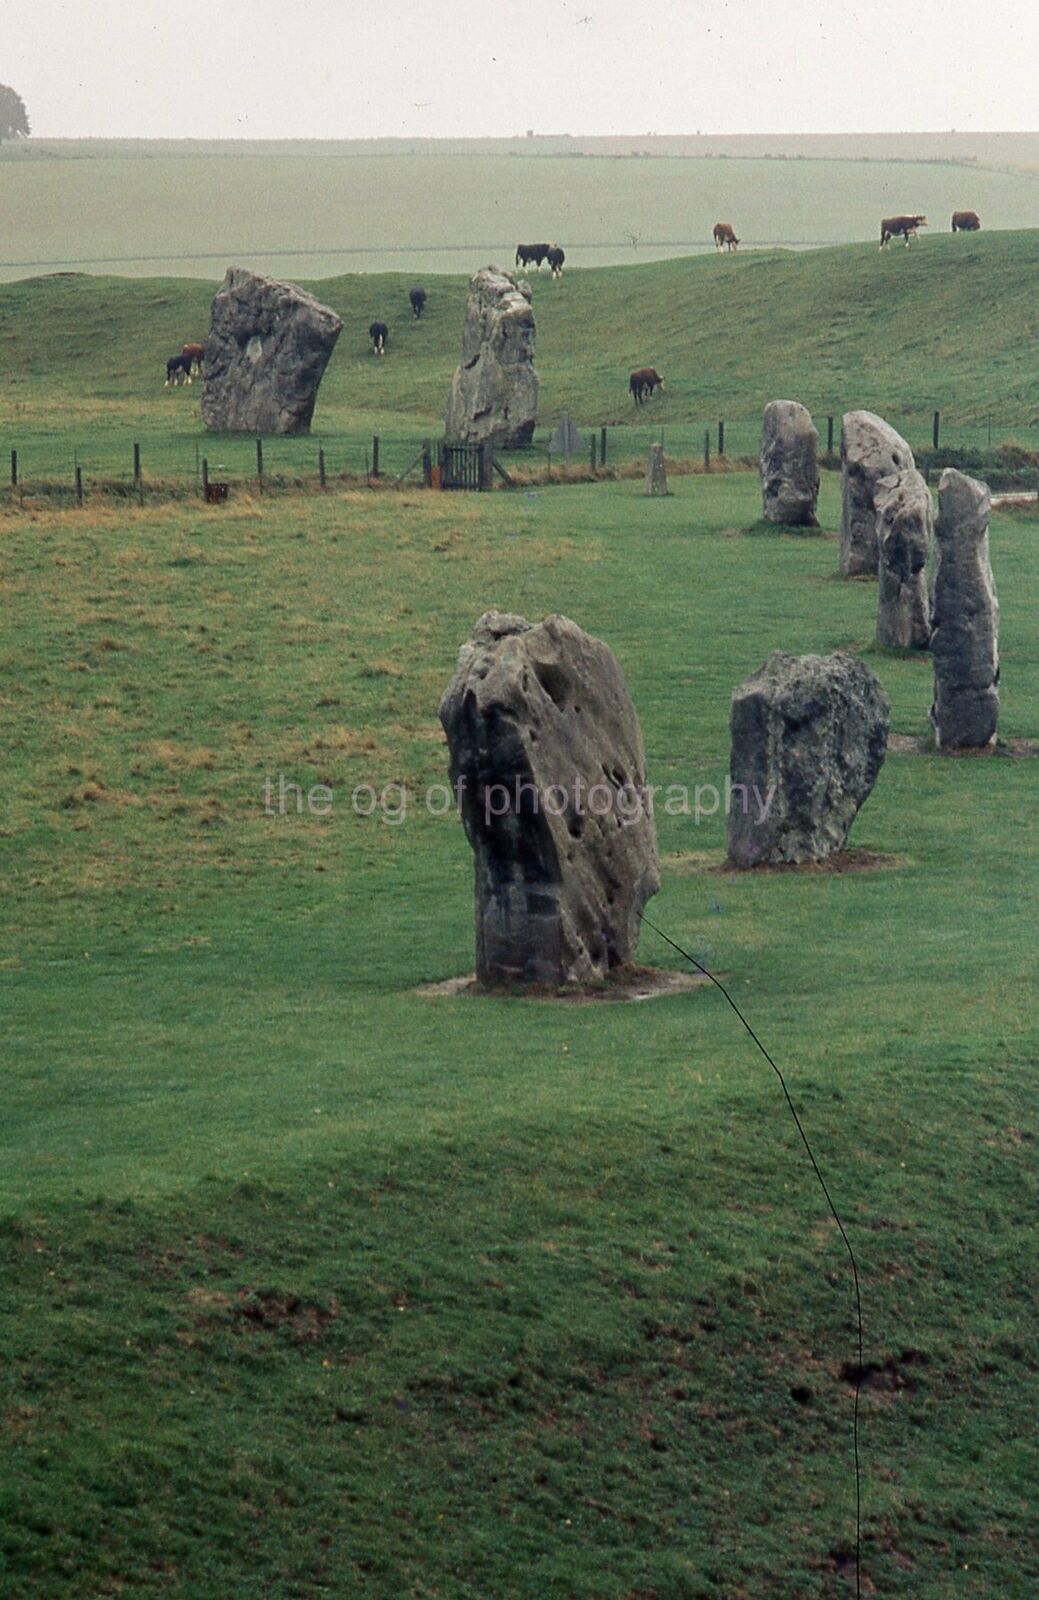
464,466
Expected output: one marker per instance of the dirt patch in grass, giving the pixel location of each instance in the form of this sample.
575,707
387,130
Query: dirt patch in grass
908,744
629,983
842,861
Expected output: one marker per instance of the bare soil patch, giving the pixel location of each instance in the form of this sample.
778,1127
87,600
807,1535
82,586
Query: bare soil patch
629,983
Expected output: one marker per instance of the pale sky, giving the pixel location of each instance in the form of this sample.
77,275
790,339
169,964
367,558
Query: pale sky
363,68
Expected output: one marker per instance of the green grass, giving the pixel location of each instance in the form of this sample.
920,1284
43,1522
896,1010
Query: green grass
313,209
944,325
313,1284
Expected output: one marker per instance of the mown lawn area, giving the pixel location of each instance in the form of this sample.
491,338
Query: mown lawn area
313,1284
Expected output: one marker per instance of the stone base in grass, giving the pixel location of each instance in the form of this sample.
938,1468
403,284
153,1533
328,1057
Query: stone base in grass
626,983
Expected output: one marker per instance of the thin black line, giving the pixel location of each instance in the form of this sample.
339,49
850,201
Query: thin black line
847,1242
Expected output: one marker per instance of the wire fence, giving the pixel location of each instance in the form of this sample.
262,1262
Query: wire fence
175,465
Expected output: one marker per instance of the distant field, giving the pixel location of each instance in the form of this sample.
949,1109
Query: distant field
323,209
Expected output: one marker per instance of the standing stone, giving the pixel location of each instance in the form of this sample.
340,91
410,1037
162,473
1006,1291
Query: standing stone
965,619
494,392
870,450
548,765
656,472
809,735
789,474
265,356
905,522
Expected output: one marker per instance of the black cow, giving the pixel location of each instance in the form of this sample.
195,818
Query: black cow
555,259
642,383
378,333
417,296
178,368
527,253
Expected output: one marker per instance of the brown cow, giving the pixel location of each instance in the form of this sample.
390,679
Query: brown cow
965,222
725,236
900,228
194,353
643,381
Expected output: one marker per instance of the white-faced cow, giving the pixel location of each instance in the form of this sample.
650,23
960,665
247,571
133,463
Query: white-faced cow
555,259
725,236
900,228
378,333
531,253
965,222
642,383
417,296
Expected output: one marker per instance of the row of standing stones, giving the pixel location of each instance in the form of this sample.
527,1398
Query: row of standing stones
887,528
546,751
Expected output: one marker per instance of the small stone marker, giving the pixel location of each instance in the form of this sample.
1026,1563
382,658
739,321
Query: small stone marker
809,735
870,450
788,465
567,439
494,392
965,618
548,767
656,472
268,346
905,522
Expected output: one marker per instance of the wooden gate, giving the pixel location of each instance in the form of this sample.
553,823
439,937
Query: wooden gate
464,466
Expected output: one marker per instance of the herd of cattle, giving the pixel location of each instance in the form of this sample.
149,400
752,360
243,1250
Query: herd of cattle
644,380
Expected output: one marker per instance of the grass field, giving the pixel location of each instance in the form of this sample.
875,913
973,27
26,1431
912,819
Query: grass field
315,1285
946,324
314,210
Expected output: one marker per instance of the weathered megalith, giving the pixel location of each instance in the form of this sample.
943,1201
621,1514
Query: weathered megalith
789,473
265,356
809,735
905,523
494,392
656,471
870,450
964,619
548,767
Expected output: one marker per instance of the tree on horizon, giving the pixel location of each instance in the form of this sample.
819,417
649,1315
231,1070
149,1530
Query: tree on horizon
14,119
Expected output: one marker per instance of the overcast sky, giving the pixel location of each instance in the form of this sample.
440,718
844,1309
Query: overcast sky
361,68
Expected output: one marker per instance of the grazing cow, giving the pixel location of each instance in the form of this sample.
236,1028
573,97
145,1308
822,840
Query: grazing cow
194,353
527,253
725,236
555,259
900,228
417,297
965,222
378,333
178,368
642,383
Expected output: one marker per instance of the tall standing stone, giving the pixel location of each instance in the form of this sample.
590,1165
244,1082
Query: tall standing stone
656,471
548,765
788,465
809,735
965,618
494,392
905,523
870,450
268,346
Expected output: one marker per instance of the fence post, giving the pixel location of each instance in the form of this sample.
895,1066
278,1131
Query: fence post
721,438
14,469
321,466
427,463
137,464
829,436
375,455
79,485
591,452
936,428
259,463
602,447
205,479
707,451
